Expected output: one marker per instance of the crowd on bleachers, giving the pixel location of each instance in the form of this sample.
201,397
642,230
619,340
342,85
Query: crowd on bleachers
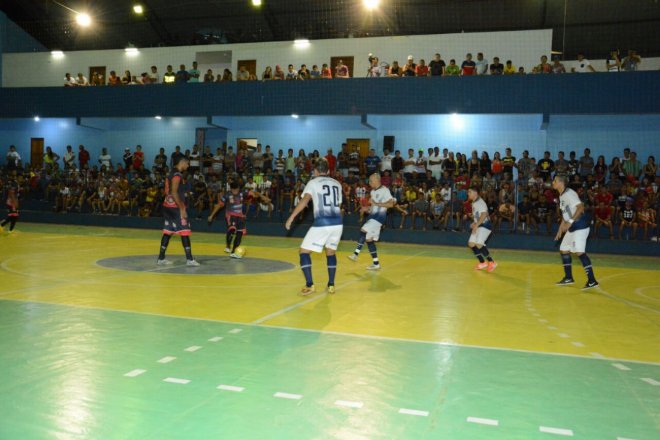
430,185
377,69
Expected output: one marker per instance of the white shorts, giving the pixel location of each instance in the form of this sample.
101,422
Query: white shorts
319,237
372,228
575,242
480,236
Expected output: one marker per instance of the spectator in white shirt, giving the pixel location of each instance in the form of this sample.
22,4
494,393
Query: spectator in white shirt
154,77
69,81
435,163
386,161
81,80
69,158
583,65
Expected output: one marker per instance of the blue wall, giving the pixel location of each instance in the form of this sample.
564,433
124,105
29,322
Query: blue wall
14,39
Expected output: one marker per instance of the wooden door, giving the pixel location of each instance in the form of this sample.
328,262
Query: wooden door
348,60
101,71
37,153
250,66
362,144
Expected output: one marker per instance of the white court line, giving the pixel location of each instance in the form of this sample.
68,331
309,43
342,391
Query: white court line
349,403
176,380
288,396
192,348
552,327
166,359
481,421
414,412
231,388
650,381
557,431
577,344
563,335
624,438
326,332
543,321
621,367
324,294
135,373
216,339
235,330
597,355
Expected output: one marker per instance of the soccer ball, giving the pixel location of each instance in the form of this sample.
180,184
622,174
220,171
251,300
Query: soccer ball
240,251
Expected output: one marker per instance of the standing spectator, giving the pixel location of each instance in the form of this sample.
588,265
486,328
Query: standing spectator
182,76
69,159
154,77
315,73
160,161
508,163
195,159
410,67
468,67
452,69
13,159
437,66
105,160
613,62
83,157
169,77
244,75
332,162
81,80
481,65
631,62
422,69
546,166
435,163
341,71
303,73
583,66
632,167
138,158
193,74
174,157
397,162
69,81
586,164
128,159
525,166
509,68
496,68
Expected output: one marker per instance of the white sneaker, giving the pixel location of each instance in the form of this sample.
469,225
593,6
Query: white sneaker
192,263
164,262
227,251
353,257
234,255
373,267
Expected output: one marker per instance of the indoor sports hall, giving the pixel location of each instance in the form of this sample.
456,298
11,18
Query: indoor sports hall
124,124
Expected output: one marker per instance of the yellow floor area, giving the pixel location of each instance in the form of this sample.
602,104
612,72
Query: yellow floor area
424,293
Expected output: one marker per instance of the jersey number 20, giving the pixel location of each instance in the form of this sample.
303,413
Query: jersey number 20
330,196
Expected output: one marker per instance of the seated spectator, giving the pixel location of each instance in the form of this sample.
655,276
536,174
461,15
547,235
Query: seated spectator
544,66
374,70
154,77
243,74
326,73
409,68
315,73
291,73
422,69
521,71
631,62
218,78
452,69
144,78
208,76
169,77
279,73
182,75
395,70
603,217
646,218
81,80
481,65
509,68
506,213
583,66
437,66
439,213
126,79
468,67
97,79
557,66
496,68
69,81
628,218
525,209
613,62
341,71
650,169
268,74
303,73
135,81
420,210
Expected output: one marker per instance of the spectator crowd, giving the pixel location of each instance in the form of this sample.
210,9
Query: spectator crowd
377,69
430,185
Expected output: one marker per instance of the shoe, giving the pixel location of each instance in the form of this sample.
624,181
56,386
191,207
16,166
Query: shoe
227,251
192,263
235,255
209,221
307,290
353,257
491,266
481,266
565,282
590,285
373,267
164,262
330,289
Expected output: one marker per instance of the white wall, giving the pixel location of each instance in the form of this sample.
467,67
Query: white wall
599,65
522,47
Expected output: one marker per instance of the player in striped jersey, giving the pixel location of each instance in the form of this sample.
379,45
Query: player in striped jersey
380,200
12,207
234,202
575,229
481,229
326,195
174,213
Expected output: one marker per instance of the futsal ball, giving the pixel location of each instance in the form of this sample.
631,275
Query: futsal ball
240,250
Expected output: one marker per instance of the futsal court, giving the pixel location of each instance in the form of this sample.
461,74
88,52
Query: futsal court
98,342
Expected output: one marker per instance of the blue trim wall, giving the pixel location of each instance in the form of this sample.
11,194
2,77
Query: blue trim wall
598,93
14,39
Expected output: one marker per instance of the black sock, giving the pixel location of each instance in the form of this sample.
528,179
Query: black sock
230,236
237,240
477,252
568,269
12,223
185,241
586,262
372,250
485,253
360,243
163,246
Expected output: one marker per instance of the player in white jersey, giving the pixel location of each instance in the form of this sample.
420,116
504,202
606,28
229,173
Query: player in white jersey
481,229
326,195
575,225
380,199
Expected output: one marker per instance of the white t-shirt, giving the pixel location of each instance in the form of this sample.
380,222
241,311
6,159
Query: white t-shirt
70,158
409,168
386,163
379,195
326,195
218,161
105,160
436,167
194,159
583,66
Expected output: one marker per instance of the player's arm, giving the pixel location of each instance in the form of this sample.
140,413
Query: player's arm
177,199
388,204
299,208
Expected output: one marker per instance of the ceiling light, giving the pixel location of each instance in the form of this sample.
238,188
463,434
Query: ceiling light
131,50
256,2
371,4
294,116
57,53
37,119
301,43
138,9
158,117
83,19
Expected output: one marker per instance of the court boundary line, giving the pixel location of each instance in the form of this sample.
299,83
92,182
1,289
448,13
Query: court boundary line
336,333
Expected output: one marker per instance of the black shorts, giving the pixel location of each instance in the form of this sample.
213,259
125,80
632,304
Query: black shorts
13,212
173,223
235,223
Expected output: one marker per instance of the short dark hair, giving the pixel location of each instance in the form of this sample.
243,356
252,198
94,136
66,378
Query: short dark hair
234,185
322,166
178,160
562,178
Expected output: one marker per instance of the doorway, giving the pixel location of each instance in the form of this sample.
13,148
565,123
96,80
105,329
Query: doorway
37,153
249,144
362,145
348,60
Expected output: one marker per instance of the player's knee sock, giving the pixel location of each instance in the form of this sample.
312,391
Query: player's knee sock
306,266
163,246
237,240
486,254
568,268
185,241
12,223
586,263
230,236
477,253
372,250
360,243
332,268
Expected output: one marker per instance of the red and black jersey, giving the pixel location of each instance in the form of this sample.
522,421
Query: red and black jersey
169,201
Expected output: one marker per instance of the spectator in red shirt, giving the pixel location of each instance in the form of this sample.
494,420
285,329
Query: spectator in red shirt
138,157
83,157
603,217
468,67
603,196
422,69
332,162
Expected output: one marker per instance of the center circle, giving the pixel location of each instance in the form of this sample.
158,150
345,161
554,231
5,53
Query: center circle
209,265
